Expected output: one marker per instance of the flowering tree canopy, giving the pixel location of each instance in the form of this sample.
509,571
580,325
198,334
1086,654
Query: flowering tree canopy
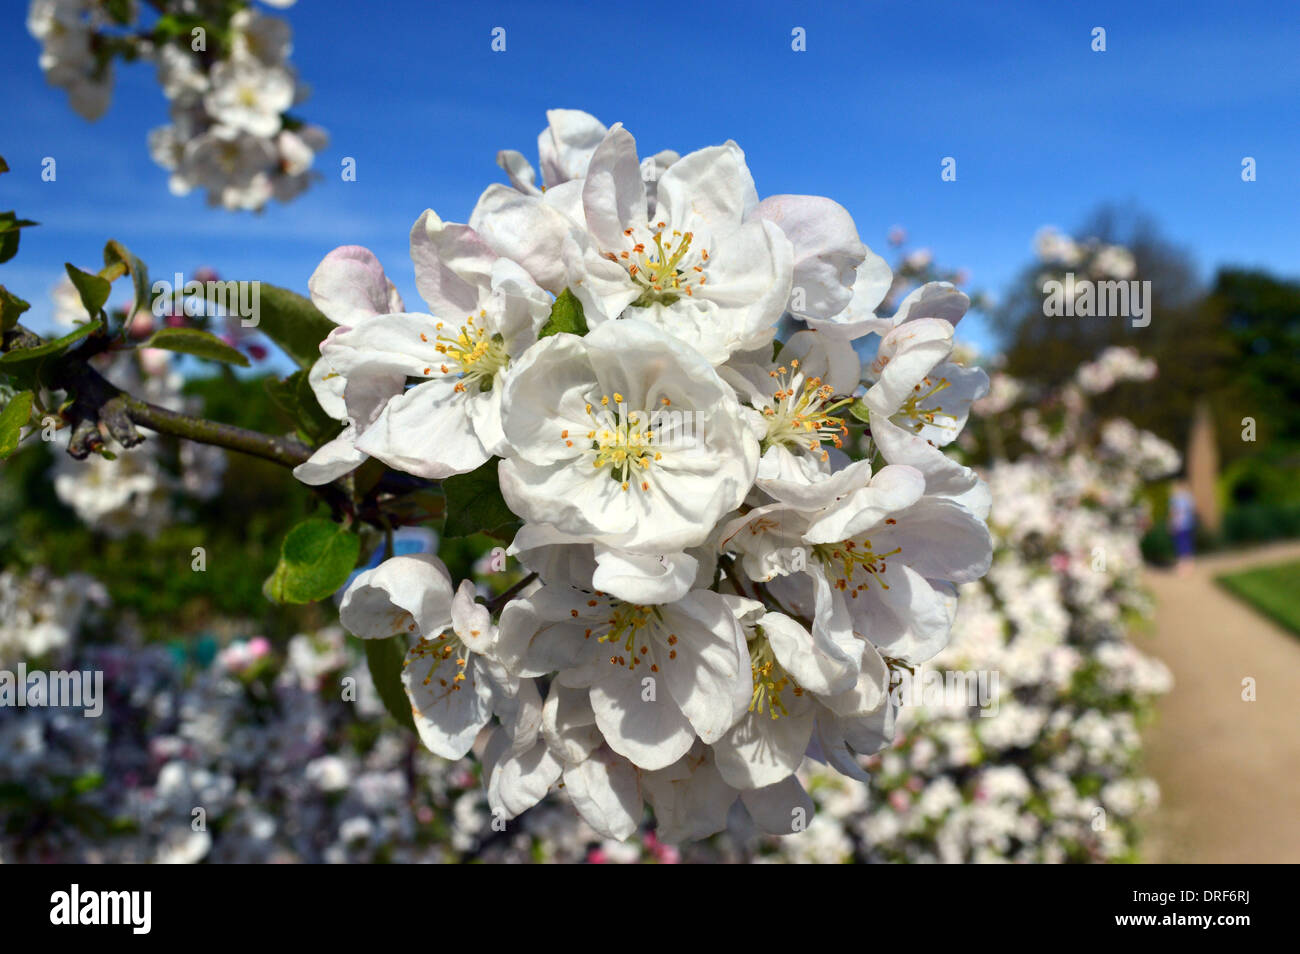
224,68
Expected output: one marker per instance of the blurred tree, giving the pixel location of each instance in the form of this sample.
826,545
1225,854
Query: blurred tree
1258,316
1195,354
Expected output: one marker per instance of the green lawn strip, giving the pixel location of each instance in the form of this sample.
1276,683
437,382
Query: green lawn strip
1272,590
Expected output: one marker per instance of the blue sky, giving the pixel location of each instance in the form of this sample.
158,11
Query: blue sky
1043,128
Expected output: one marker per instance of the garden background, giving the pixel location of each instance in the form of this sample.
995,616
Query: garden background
1062,151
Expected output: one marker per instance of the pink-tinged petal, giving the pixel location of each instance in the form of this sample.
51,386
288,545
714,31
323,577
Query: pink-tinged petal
565,146
349,285
520,171
364,398
526,229
368,393
933,300
870,286
453,267
827,250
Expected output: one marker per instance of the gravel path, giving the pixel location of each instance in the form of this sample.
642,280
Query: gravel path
1229,770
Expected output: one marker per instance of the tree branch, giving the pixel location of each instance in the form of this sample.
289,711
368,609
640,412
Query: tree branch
286,450
499,602
100,410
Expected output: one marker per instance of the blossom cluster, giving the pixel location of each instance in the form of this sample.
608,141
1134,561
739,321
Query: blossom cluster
1113,366
245,756
229,84
720,588
1093,257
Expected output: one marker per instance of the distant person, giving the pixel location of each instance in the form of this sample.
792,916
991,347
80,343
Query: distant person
1182,524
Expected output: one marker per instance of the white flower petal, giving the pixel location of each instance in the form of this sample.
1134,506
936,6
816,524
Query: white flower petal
606,792
404,594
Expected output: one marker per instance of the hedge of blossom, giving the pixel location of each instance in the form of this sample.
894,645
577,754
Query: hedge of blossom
1047,770
224,68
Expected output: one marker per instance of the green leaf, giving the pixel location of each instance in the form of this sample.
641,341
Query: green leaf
292,322
859,410
201,344
4,166
58,346
119,10
94,290
566,316
117,254
9,222
315,560
419,506
385,658
295,397
10,226
12,419
11,306
475,504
